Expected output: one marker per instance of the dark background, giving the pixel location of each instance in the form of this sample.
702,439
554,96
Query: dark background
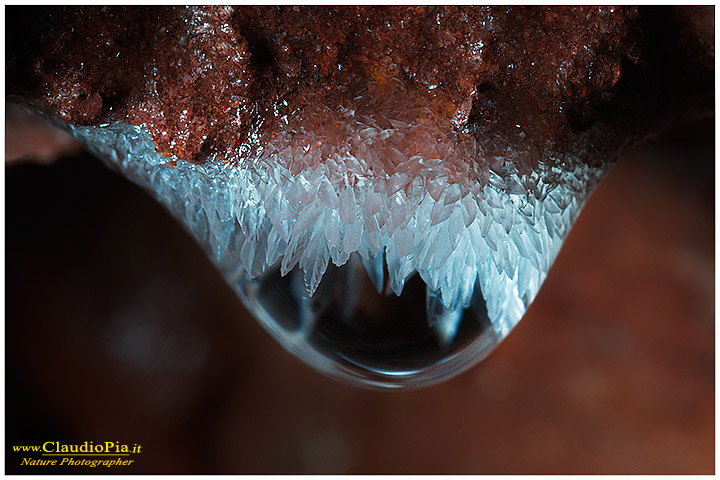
119,329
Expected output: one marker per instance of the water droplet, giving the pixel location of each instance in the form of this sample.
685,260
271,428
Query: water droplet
399,278
351,332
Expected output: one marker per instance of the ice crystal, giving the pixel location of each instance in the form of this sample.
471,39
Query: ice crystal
394,191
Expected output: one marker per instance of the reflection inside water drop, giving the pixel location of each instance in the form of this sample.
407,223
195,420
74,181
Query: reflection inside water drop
357,330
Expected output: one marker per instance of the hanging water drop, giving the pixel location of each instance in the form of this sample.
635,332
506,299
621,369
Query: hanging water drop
351,332
386,277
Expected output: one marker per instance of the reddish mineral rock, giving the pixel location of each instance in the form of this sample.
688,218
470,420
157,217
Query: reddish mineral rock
202,80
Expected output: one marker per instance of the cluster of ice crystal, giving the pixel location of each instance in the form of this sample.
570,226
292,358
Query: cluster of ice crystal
402,190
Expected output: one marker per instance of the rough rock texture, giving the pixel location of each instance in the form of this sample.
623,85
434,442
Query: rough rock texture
203,79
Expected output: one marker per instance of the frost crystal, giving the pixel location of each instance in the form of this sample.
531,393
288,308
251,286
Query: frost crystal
403,192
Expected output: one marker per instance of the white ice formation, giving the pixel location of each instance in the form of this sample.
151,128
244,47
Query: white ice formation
400,189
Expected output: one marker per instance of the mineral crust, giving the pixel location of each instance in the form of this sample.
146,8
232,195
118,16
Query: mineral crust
202,80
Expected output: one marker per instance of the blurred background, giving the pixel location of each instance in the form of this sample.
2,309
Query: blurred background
119,329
